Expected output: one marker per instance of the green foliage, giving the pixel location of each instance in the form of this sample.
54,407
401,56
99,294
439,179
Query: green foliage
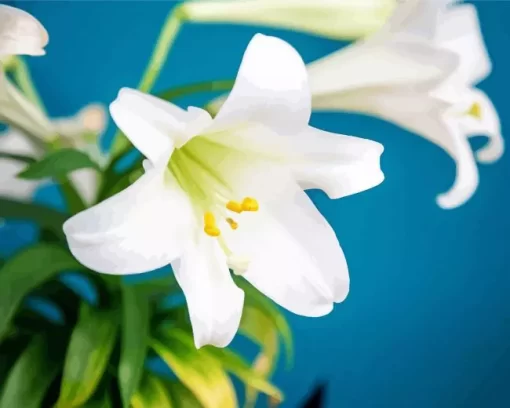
135,335
58,164
88,354
25,272
32,373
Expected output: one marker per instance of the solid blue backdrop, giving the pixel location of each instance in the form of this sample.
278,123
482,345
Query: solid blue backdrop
427,321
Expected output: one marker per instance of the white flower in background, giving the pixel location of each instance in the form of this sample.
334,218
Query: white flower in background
227,192
80,131
337,19
20,33
419,72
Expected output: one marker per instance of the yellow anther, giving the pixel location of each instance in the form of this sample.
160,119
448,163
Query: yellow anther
209,220
475,111
210,227
212,231
232,223
235,207
250,204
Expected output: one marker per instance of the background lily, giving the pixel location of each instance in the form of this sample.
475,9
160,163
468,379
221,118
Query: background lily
81,131
227,193
419,72
336,19
20,33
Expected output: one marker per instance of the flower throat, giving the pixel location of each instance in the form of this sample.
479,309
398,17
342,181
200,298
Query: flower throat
197,168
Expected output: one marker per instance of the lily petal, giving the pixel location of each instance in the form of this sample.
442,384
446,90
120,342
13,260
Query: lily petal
487,124
215,303
294,256
375,64
467,179
338,164
459,31
142,228
148,122
20,33
271,88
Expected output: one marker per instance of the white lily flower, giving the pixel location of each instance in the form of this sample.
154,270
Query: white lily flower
90,121
20,33
225,193
336,19
419,72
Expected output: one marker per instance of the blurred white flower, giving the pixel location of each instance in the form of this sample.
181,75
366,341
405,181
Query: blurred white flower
337,19
419,72
20,33
227,192
80,131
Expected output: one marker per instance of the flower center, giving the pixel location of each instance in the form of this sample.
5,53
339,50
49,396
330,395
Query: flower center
198,168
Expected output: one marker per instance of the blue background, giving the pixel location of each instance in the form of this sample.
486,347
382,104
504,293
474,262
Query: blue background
427,322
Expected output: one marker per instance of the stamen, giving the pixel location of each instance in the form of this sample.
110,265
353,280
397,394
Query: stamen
235,207
475,111
232,223
210,227
250,204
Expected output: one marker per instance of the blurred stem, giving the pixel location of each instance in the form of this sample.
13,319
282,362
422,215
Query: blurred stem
209,86
159,56
23,79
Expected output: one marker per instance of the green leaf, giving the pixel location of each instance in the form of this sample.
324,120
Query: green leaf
44,217
259,301
17,157
88,354
27,270
134,341
235,364
10,349
101,400
58,164
33,373
152,393
199,371
260,328
181,396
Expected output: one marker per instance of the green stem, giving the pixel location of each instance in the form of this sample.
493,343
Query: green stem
209,86
24,80
159,55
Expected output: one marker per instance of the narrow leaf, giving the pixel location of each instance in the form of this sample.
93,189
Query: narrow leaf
151,394
58,164
88,354
17,157
44,217
32,374
102,400
181,396
199,371
236,365
27,270
134,340
261,329
266,306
